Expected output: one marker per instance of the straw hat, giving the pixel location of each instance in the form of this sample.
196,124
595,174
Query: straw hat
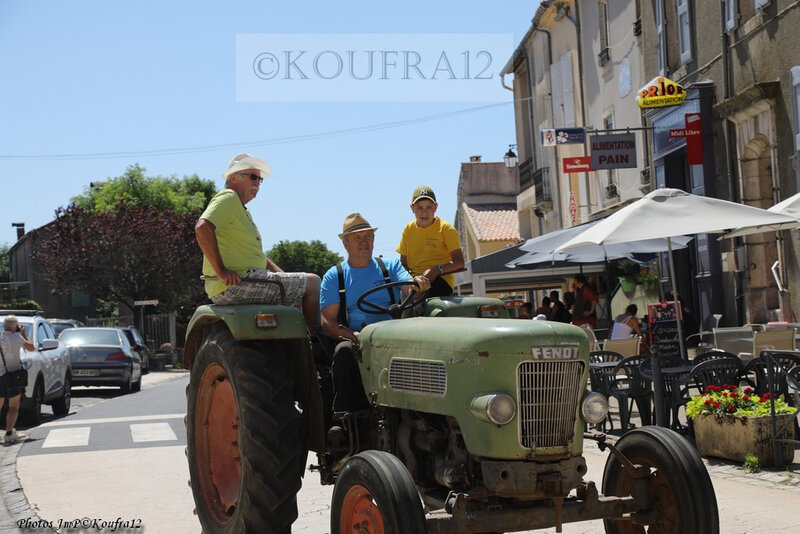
354,223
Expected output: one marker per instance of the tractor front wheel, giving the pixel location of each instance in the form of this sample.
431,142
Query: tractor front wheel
682,499
243,438
376,494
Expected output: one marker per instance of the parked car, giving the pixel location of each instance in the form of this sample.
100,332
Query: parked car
103,357
49,370
138,344
59,325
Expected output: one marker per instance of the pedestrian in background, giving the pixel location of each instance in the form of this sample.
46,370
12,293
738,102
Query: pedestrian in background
558,312
525,311
12,339
544,309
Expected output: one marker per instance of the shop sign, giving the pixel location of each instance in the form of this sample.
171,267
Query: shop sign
577,164
660,92
573,206
694,139
562,136
614,151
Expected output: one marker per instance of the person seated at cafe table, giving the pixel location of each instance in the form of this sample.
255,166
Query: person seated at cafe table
627,324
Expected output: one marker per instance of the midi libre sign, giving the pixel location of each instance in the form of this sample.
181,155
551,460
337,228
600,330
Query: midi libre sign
615,151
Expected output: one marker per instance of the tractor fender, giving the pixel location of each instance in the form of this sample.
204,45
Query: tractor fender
282,323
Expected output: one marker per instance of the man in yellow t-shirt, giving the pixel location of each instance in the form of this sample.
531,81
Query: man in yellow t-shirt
232,248
429,246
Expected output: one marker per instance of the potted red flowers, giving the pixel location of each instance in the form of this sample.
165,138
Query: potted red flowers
731,424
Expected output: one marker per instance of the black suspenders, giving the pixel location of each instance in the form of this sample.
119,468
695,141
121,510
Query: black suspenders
343,298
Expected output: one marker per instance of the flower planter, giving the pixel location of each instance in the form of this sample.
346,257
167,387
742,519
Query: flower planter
733,437
627,284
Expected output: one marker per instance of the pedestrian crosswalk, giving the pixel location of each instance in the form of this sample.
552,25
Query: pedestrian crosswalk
107,433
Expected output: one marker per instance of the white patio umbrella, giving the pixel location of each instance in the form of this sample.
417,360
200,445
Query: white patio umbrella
541,249
668,213
790,207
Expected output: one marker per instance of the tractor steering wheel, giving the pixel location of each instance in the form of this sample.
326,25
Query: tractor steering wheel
394,310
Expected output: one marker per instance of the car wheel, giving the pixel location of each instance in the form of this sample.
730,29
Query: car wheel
679,487
31,414
146,364
375,491
243,438
61,405
137,386
127,384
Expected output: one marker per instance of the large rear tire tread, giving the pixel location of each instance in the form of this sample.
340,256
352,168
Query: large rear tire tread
681,487
268,438
388,494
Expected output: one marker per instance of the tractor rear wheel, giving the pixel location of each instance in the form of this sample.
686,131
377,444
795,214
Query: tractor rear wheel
243,438
375,493
679,487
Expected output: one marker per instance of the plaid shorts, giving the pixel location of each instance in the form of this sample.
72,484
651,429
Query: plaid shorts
247,292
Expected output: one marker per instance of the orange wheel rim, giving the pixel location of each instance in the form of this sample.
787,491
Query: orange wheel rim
662,497
360,514
217,443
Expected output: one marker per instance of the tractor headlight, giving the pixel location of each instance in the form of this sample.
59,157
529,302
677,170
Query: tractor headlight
594,407
496,408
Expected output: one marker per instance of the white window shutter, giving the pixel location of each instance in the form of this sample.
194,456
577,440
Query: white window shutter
684,31
557,94
569,90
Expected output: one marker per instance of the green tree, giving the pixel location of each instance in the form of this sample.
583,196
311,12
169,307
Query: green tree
5,264
136,190
302,256
130,238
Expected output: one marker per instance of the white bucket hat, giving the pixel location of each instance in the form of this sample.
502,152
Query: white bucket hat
243,162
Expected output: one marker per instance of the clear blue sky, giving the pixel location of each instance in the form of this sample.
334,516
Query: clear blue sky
97,77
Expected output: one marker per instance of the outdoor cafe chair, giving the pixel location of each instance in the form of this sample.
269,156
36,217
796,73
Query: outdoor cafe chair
733,339
629,387
601,367
714,372
597,356
627,347
712,355
770,339
668,381
793,382
756,372
593,343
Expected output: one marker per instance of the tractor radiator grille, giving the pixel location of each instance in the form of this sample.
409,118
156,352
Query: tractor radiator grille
417,376
548,402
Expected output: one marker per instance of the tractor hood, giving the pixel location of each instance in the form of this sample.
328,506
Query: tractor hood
457,337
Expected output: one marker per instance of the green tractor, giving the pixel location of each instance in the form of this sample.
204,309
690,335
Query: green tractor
475,425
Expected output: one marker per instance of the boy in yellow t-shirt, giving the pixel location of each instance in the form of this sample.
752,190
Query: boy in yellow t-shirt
430,246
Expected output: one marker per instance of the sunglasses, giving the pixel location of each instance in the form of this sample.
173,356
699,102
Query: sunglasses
254,177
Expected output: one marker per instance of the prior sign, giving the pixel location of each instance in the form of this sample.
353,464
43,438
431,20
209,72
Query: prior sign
616,151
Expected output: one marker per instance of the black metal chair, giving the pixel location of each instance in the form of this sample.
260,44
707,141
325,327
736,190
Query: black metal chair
669,383
715,372
597,356
793,381
601,377
712,355
630,386
756,372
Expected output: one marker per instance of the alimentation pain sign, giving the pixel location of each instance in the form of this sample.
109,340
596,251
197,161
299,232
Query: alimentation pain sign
613,151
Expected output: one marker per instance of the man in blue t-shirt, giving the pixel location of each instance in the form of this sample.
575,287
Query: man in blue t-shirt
361,273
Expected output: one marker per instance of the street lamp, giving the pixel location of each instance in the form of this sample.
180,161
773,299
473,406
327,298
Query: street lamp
510,158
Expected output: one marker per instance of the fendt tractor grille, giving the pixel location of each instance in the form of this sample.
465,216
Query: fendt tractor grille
417,376
548,402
